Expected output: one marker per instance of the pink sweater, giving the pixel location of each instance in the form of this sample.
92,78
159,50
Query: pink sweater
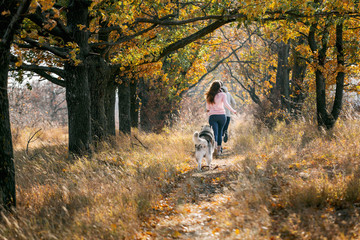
218,106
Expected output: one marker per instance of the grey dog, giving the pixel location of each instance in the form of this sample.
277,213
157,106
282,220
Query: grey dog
204,145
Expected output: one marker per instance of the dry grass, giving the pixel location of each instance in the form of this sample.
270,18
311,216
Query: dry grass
293,182
297,182
105,196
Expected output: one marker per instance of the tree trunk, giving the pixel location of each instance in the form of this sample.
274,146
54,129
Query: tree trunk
124,108
98,80
7,169
78,103
282,76
77,82
298,75
341,74
323,117
110,107
134,108
10,22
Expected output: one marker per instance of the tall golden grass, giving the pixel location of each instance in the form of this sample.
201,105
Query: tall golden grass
297,182
104,196
293,182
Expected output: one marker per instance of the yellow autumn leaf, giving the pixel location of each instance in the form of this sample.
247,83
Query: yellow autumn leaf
81,26
18,64
176,234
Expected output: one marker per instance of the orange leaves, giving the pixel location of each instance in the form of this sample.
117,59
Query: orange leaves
197,70
273,5
113,227
18,63
215,180
94,3
216,230
45,4
5,13
74,52
81,27
50,24
267,84
165,206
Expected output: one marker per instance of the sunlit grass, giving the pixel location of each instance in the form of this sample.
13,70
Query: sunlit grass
104,196
291,182
307,181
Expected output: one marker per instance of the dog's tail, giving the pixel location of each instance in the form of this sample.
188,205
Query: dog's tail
196,138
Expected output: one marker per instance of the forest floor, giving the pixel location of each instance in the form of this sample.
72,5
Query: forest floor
291,182
195,207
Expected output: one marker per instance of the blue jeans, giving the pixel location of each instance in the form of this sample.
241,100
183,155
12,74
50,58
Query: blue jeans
226,124
217,122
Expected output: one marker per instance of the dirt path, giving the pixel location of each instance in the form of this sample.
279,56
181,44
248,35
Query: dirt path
196,207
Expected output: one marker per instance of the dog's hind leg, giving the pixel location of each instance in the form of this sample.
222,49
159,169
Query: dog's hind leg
208,158
199,163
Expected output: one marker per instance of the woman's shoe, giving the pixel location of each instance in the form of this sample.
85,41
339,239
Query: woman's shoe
226,137
218,151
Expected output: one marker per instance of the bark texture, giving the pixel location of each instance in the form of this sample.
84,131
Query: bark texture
10,23
282,76
77,84
124,108
324,118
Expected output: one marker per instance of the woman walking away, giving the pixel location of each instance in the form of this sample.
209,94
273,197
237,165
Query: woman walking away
215,102
232,103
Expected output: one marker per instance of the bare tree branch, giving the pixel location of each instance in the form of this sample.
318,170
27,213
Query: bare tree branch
43,72
192,20
52,79
250,90
9,33
57,71
217,65
193,37
45,46
124,39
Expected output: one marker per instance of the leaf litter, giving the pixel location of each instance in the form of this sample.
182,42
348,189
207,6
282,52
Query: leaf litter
195,208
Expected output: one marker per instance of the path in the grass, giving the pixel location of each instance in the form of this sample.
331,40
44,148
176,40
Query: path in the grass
196,207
